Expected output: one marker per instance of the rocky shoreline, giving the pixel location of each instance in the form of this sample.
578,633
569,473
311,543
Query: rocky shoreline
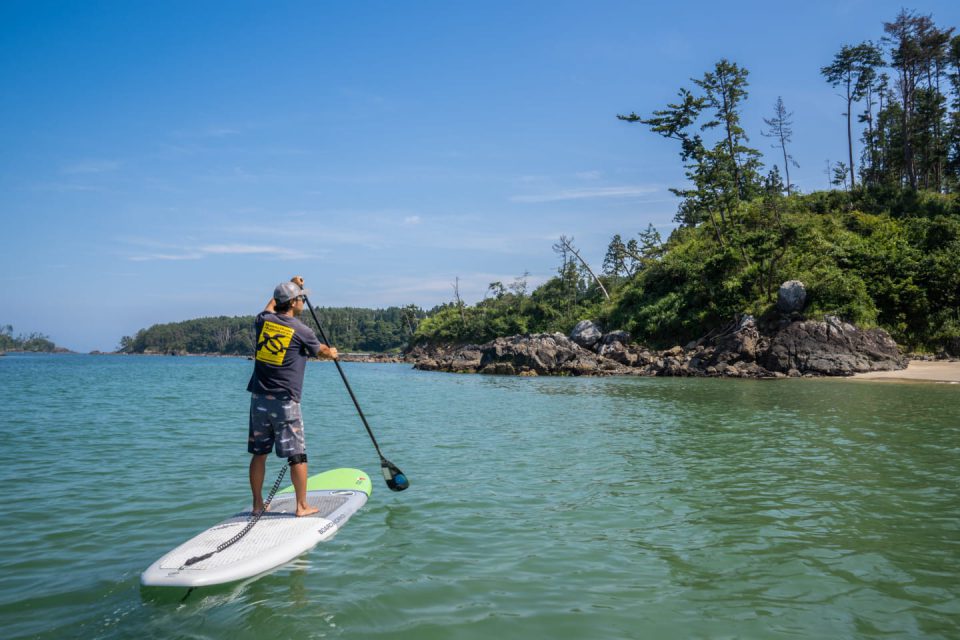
794,347
783,345
374,358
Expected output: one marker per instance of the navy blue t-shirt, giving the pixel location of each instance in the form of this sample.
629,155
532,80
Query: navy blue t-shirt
283,347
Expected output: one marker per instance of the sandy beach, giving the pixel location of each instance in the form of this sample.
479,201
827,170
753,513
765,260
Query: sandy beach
918,371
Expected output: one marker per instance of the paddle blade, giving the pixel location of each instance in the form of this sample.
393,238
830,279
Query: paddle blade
396,479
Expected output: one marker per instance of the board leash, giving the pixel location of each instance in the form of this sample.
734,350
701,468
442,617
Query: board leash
254,518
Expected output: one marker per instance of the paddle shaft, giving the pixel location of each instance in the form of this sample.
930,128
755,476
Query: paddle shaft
346,383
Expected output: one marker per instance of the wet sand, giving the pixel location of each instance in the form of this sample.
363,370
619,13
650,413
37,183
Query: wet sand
918,371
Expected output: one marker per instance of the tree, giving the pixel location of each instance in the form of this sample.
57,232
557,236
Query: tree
781,130
410,315
773,183
459,300
496,289
567,244
953,127
722,175
872,163
725,88
519,285
615,261
840,171
853,68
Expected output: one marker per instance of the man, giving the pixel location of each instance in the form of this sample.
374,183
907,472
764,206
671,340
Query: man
284,345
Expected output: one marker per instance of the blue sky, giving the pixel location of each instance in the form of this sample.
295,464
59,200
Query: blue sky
171,160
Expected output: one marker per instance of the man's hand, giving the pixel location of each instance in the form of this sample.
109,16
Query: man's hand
329,353
297,280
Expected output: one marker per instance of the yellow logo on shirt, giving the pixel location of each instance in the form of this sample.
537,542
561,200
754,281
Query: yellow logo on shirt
273,342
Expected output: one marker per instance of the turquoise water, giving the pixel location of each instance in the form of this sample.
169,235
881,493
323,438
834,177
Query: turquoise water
540,508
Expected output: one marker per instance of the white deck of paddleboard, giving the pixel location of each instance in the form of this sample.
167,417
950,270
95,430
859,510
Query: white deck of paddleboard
276,539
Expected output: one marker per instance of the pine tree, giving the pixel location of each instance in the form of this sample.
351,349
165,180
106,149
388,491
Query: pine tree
853,69
781,130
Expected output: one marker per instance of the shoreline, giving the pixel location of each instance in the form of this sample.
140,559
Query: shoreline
936,371
917,371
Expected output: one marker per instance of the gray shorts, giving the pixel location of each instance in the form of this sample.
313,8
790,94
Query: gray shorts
275,419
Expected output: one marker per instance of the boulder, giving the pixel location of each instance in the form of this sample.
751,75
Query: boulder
462,359
616,346
831,347
792,297
619,352
544,354
586,334
740,342
614,337
466,359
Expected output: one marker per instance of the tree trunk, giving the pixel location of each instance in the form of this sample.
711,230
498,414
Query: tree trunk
726,124
786,163
586,266
850,132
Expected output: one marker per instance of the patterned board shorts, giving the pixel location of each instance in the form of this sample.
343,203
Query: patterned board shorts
275,419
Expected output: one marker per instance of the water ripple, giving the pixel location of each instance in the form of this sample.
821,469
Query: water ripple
568,508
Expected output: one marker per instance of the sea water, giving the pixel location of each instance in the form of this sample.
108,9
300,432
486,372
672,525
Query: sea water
538,507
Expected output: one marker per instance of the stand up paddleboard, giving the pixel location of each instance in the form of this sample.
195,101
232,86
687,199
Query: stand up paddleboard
279,536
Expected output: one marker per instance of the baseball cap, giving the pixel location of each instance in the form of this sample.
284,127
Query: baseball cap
286,291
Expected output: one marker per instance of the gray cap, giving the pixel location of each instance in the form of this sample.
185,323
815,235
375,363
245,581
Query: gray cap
287,291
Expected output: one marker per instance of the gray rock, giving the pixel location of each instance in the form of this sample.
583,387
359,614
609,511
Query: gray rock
619,352
586,334
792,297
740,343
832,348
614,337
792,349
545,353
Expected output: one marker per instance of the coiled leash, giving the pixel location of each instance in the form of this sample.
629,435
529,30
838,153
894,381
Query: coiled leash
254,518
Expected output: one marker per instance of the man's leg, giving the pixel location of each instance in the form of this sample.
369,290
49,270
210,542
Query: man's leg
258,467
298,473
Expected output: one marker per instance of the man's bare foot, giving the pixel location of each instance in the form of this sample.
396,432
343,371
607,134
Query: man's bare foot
258,506
306,511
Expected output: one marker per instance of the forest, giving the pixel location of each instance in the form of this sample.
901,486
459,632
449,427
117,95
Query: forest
348,328
25,342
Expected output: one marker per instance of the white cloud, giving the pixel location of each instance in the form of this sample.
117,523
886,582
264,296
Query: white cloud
189,252
150,257
91,166
412,220
278,253
587,193
239,249
219,131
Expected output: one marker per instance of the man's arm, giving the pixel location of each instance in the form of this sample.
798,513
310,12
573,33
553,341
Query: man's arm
272,304
330,353
316,347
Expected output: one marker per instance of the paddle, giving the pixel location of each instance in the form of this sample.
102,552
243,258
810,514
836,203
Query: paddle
396,479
